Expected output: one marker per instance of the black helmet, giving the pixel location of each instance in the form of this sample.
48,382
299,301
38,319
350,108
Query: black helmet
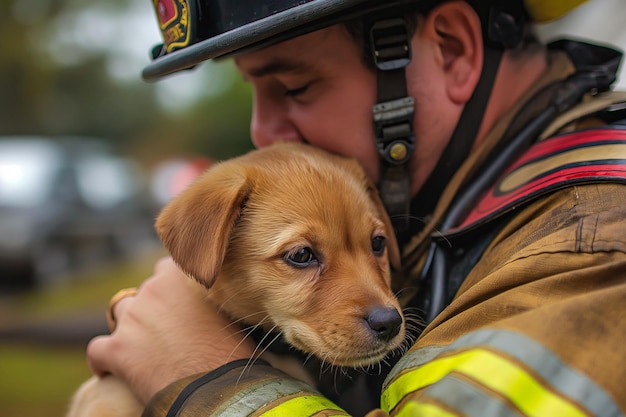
204,29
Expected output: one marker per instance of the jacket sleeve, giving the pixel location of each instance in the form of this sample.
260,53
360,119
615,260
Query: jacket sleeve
240,389
537,329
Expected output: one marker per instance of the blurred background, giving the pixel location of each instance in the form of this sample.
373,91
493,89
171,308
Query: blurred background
89,153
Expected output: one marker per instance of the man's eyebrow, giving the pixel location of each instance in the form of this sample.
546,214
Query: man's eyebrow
276,67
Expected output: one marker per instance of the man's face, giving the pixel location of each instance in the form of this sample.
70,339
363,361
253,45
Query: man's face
315,89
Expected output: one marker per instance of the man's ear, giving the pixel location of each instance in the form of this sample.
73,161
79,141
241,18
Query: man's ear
456,29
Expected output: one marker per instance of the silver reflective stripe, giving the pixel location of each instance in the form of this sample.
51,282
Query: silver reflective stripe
413,360
469,400
569,382
256,396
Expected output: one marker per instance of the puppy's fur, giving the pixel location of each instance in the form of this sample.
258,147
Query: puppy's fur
289,239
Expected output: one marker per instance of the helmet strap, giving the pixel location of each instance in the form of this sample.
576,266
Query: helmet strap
393,116
394,112
462,139
504,28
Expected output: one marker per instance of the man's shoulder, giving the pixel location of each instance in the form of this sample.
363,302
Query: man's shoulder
591,156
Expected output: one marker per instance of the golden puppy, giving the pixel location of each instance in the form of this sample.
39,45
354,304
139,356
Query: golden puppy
293,241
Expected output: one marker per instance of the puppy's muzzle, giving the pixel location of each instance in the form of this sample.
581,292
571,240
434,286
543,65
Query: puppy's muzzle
384,322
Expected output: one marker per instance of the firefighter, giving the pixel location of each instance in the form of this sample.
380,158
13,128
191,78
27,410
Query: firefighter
501,161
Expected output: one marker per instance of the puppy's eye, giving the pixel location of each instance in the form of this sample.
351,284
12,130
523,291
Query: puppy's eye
378,245
301,258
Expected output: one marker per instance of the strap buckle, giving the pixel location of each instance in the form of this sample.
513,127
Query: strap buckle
393,127
390,43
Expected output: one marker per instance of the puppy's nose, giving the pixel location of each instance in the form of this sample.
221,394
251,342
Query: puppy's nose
385,322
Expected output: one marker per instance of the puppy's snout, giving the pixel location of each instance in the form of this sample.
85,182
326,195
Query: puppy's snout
385,322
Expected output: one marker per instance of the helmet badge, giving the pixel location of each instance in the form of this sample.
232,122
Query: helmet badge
174,22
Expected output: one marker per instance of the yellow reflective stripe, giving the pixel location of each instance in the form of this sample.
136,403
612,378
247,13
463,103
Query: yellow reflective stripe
543,11
305,405
493,371
412,409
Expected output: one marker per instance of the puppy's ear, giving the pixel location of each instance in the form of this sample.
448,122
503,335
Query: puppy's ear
196,226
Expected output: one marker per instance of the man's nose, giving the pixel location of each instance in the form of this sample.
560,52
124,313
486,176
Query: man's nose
270,123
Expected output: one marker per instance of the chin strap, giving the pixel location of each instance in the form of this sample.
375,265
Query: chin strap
462,139
393,118
394,111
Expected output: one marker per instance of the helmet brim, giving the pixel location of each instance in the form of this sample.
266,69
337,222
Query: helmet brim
296,21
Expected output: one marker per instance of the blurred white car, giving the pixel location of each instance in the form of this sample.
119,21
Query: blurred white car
66,203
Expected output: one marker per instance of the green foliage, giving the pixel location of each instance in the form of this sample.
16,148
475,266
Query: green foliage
39,381
56,79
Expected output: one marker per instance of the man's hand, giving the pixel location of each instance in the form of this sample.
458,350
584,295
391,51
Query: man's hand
166,332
